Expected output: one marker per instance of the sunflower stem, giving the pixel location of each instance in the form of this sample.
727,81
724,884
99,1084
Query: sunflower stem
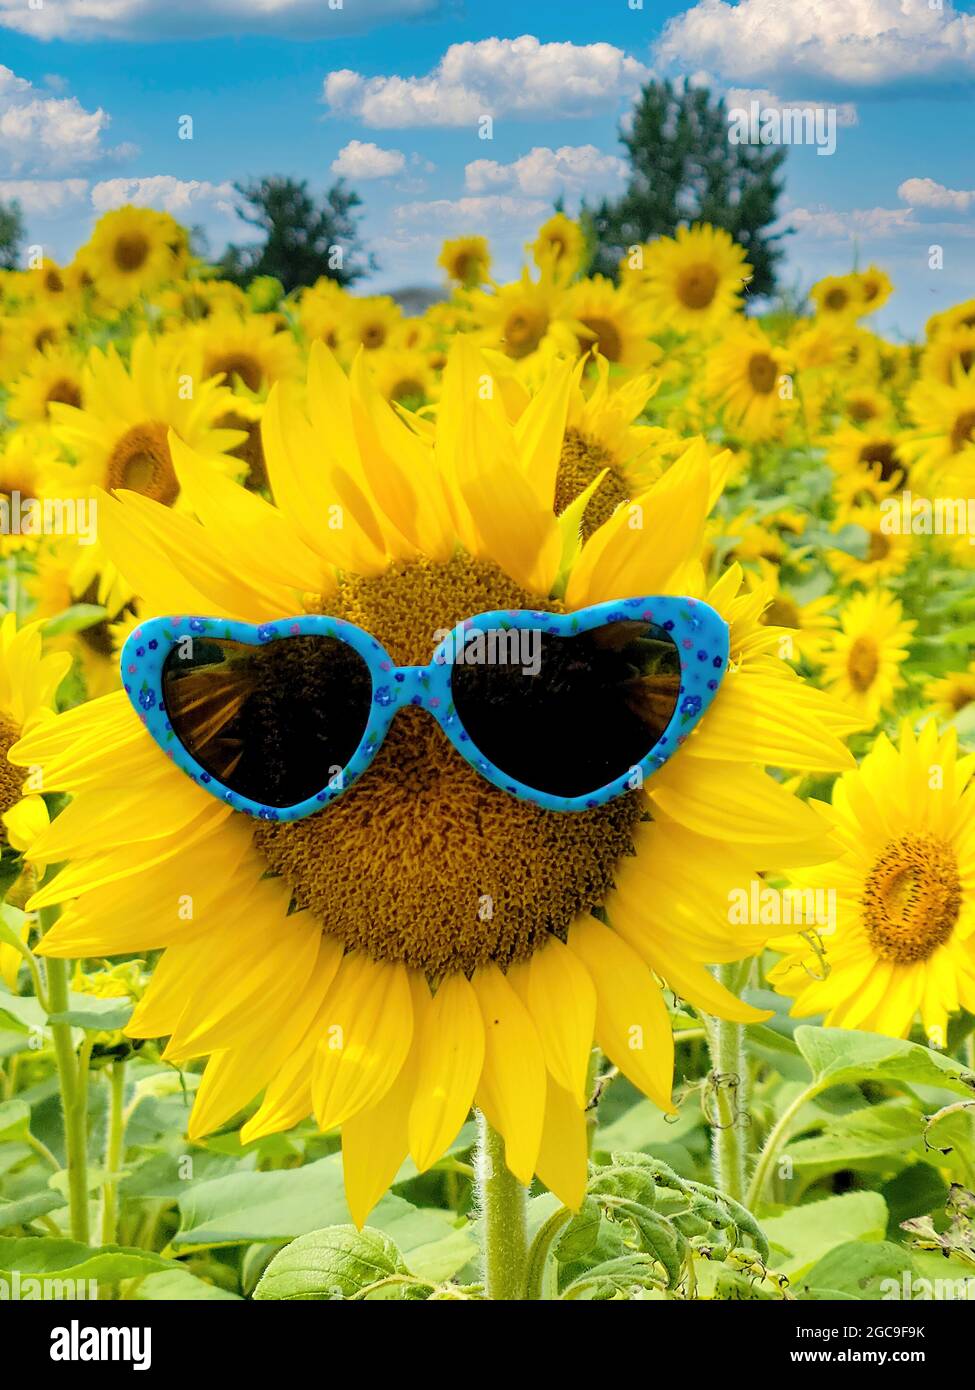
113,1150
74,1100
503,1205
729,1080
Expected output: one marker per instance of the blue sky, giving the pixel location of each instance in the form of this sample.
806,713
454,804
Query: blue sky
391,92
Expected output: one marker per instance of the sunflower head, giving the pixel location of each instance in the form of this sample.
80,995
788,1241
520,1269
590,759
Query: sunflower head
467,260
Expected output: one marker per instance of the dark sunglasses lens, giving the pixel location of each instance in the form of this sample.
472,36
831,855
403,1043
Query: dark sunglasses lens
567,715
274,723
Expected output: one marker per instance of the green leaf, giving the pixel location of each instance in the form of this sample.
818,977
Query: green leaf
836,1055
876,1135
14,1121
75,619
800,1237
577,1238
178,1286
291,1202
96,1015
872,1271
337,1262
27,1209
47,1257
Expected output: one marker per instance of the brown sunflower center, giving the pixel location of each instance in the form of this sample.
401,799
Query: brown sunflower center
373,335
251,450
782,612
53,282
466,268
863,663
836,300
580,461
696,285
762,372
606,338
911,899
406,390
11,778
884,453
242,364
879,547
65,392
421,860
861,410
963,431
524,329
130,252
142,463
44,337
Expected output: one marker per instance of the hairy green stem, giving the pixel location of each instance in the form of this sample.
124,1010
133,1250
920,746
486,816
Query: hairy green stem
729,1080
773,1143
503,1206
113,1150
73,1082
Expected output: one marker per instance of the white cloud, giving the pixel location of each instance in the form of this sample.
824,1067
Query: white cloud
181,197
452,216
827,224
868,43
170,19
361,159
545,172
498,77
742,98
925,193
44,197
43,133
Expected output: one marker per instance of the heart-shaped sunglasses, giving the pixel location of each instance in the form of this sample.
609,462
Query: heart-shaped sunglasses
566,710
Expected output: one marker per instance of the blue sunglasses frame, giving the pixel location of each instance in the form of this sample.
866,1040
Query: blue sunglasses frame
699,633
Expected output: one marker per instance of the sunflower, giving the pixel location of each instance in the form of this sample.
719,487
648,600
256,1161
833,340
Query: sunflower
323,308
904,943
25,457
863,660
943,438
873,449
51,286
747,377
952,692
134,251
524,318
369,323
466,259
874,288
694,280
404,375
808,625
254,351
559,249
614,322
888,552
367,987
950,356
28,685
121,437
838,297
866,406
50,376
193,301
66,575
958,316
41,327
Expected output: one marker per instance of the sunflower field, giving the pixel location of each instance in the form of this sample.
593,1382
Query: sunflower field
340,963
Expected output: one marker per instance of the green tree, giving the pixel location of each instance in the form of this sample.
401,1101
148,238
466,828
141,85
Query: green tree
303,240
11,235
685,169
